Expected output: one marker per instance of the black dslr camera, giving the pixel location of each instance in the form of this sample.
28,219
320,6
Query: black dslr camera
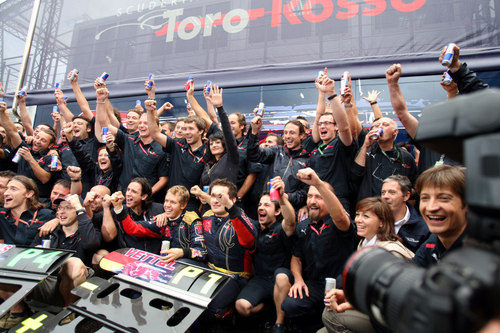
462,293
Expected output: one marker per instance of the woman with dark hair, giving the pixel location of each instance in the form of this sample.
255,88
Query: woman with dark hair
22,214
375,224
222,158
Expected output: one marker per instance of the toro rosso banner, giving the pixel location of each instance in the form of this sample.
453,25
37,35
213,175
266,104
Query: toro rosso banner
277,41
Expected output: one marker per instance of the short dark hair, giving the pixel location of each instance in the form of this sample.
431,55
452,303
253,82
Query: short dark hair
199,122
50,132
278,137
83,118
232,190
63,182
171,125
297,123
7,174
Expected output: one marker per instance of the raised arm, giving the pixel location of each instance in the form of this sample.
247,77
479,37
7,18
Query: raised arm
102,119
80,98
154,129
398,102
372,99
215,98
11,129
210,107
335,208
165,107
65,112
254,153
198,110
466,79
352,110
288,223
320,107
327,85
23,113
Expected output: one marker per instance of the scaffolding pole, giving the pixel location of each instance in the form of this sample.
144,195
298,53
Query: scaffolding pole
27,50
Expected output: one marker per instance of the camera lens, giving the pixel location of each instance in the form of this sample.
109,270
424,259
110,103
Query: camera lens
377,283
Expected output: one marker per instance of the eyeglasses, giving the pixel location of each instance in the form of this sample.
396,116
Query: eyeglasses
326,123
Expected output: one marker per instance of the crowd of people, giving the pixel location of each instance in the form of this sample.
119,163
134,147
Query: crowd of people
279,214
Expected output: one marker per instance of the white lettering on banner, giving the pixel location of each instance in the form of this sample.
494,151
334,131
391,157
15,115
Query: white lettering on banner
150,5
209,21
185,34
238,19
242,24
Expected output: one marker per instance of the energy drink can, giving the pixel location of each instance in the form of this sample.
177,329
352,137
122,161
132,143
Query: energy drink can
274,194
58,85
104,76
22,92
377,134
206,188
53,162
72,74
190,80
55,109
330,283
260,110
207,87
447,78
137,102
165,245
343,82
448,55
46,243
104,133
150,80
320,73
16,158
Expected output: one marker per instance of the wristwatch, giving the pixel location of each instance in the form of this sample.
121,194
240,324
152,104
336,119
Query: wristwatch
80,211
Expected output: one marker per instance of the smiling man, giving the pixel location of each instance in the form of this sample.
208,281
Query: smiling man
324,242
333,156
443,207
275,227
283,161
378,159
230,238
142,156
138,207
181,228
187,154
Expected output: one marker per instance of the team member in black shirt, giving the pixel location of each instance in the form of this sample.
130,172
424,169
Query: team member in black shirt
139,207
325,241
378,159
187,155
142,156
109,163
333,157
34,162
22,214
284,161
275,227
75,231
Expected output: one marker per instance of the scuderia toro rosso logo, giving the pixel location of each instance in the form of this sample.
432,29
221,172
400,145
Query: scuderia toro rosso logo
174,24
